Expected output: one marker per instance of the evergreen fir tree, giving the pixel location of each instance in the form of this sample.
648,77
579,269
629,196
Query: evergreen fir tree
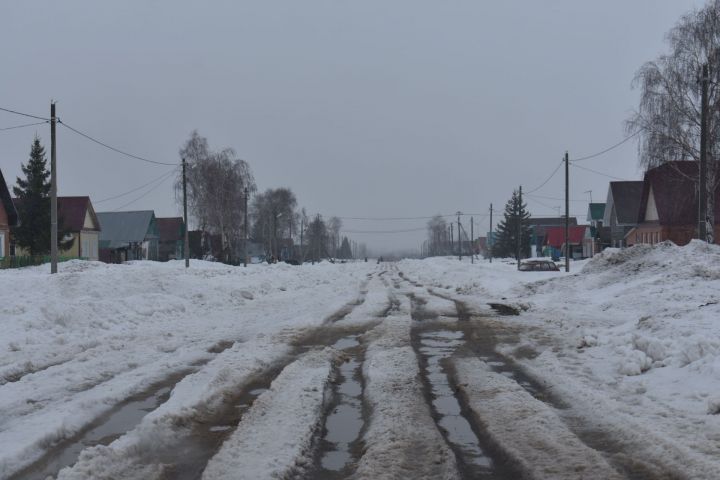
506,233
345,250
33,193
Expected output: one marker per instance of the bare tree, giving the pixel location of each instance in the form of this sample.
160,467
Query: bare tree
334,224
216,181
437,229
274,218
668,117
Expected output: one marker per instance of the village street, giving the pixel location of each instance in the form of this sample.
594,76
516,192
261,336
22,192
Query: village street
359,370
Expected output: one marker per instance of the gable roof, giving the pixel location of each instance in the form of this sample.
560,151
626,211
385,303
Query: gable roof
170,229
555,236
624,199
72,212
674,188
117,229
7,202
596,211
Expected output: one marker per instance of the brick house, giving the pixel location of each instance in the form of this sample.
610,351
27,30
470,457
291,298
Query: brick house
669,205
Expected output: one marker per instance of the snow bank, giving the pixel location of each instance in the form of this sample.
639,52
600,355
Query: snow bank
274,437
78,343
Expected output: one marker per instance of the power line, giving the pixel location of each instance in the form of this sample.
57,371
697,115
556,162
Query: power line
421,229
22,126
598,173
547,180
113,148
554,198
144,194
137,188
24,114
588,157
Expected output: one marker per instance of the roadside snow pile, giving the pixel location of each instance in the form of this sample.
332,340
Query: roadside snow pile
76,344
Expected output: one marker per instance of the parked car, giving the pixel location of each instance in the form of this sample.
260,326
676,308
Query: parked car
538,265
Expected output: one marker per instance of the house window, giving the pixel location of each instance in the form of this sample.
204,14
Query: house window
2,244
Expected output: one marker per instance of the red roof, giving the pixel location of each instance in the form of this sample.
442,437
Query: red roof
71,213
555,236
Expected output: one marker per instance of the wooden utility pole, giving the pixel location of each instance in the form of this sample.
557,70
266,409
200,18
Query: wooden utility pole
186,247
245,229
53,194
472,242
702,189
567,212
518,235
491,236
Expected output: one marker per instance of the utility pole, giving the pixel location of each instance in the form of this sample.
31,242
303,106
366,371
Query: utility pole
245,229
702,197
491,236
518,239
472,242
186,243
459,238
53,194
567,212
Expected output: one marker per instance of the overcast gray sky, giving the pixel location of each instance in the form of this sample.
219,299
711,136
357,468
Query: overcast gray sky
363,108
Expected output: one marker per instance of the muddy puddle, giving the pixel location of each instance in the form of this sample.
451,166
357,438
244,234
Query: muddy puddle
187,458
435,347
339,448
104,431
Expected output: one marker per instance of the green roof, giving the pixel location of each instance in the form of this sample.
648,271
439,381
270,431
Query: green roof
596,211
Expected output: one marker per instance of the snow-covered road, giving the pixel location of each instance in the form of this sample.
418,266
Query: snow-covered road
356,370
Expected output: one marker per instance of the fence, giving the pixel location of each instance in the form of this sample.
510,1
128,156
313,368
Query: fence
30,261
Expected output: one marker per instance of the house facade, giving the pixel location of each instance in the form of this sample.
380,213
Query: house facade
79,222
669,205
171,239
126,236
621,210
539,227
599,234
8,217
578,236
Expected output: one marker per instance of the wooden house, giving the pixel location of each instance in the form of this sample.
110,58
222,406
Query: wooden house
621,210
128,236
8,217
171,233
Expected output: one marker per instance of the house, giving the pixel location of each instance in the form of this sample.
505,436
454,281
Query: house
126,236
77,217
172,238
621,210
8,217
538,229
669,205
599,234
555,241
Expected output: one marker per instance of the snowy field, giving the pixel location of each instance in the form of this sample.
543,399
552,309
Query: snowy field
616,363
